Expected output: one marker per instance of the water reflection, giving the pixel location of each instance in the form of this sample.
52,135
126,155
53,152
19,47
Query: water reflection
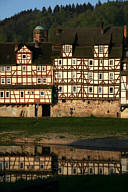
31,162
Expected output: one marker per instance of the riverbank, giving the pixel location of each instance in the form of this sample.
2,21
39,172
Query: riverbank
60,130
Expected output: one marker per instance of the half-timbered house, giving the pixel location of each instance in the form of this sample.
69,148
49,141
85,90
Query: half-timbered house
74,72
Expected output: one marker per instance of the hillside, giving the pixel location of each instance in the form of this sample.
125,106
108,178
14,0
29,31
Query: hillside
20,26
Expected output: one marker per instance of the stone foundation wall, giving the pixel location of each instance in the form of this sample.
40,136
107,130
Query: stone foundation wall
124,114
86,108
19,111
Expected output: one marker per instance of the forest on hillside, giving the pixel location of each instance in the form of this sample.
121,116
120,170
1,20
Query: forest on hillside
20,26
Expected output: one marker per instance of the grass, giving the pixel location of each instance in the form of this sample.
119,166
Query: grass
78,126
88,183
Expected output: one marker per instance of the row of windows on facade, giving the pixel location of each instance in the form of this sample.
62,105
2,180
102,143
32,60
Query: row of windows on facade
90,75
67,48
8,81
90,62
90,89
90,170
5,165
24,68
7,94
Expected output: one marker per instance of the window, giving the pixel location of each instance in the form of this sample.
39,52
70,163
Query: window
101,62
2,68
24,56
1,94
59,170
39,80
60,61
111,171
74,171
111,90
91,170
43,68
100,76
67,48
90,62
74,89
23,68
8,68
73,74
21,165
8,81
38,68
59,75
100,170
7,94
111,76
90,89
90,75
6,165
7,178
42,93
41,166
43,80
22,94
111,62
2,81
60,89
1,165
101,49
74,61
100,90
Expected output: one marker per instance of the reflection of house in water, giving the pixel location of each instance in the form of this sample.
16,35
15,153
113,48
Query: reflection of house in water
33,162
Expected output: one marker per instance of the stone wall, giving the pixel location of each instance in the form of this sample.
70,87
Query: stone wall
86,108
19,110
124,114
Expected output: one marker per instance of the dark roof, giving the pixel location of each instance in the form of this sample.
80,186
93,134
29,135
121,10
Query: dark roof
26,87
84,39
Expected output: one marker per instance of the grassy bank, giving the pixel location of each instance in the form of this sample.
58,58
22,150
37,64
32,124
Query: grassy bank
114,183
73,126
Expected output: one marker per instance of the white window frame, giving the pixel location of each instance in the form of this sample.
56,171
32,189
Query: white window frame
74,74
24,68
60,89
41,164
74,89
111,62
67,48
90,62
100,76
1,94
101,49
59,75
59,61
24,55
101,62
91,170
8,68
21,167
2,68
38,68
2,80
90,75
8,80
89,89
100,92
39,80
7,92
42,93
110,91
43,68
21,92
73,61
6,165
111,75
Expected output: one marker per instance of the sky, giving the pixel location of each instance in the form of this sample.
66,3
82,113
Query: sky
9,8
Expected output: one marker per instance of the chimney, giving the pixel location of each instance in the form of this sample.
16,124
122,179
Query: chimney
125,31
102,28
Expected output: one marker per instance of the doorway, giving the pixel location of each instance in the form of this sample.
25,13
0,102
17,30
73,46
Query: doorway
46,110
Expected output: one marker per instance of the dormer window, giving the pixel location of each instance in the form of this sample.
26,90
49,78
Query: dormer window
67,48
101,49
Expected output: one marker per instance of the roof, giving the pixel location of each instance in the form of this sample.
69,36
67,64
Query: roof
39,28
